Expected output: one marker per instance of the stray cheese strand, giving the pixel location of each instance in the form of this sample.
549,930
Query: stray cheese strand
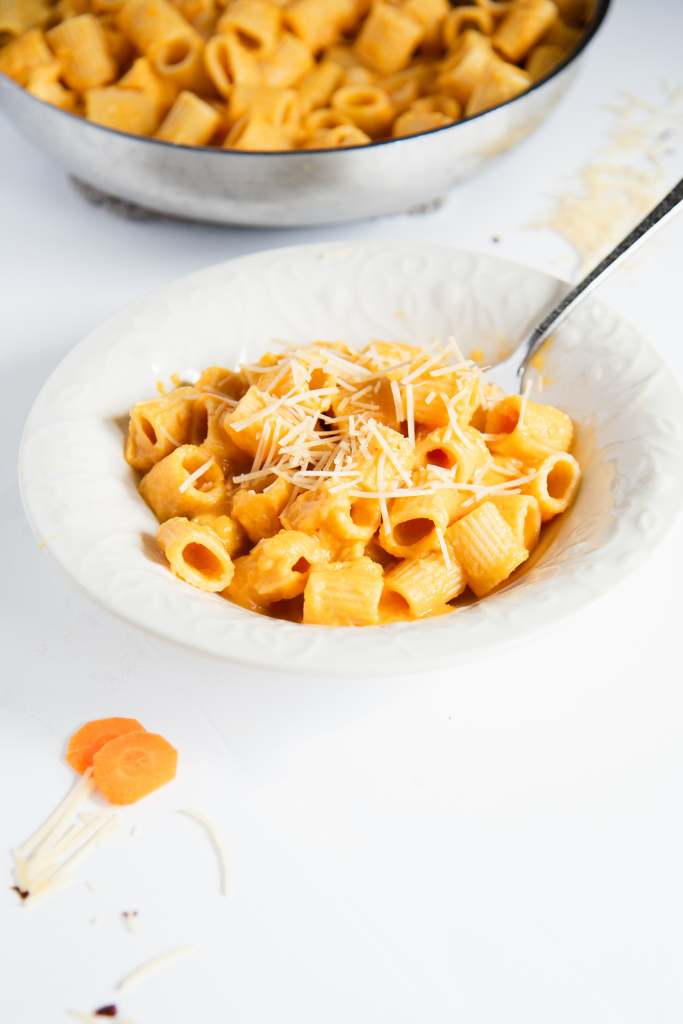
134,978
216,842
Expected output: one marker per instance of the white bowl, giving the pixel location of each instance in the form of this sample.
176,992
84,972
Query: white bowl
82,500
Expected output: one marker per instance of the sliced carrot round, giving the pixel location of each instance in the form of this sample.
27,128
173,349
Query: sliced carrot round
133,765
85,743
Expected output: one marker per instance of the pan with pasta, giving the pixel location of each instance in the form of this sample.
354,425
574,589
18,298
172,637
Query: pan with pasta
267,75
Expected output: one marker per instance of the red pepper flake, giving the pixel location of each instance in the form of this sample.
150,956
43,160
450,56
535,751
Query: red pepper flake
23,894
109,1010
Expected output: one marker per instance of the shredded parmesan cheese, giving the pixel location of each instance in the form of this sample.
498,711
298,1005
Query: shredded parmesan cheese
79,793
382,496
503,470
624,178
188,482
54,876
323,472
398,401
152,966
223,399
344,486
451,368
216,842
404,492
453,420
410,413
389,454
454,347
162,432
422,368
272,450
45,861
444,548
370,407
239,425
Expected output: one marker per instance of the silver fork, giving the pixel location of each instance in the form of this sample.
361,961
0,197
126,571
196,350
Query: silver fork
510,373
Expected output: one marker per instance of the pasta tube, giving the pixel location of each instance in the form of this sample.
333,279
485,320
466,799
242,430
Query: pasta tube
24,55
258,511
368,107
527,430
187,482
523,26
388,38
283,563
422,586
121,109
343,593
189,122
228,530
80,46
416,522
555,484
486,548
195,554
45,85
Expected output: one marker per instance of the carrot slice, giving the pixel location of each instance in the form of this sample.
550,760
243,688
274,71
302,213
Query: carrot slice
133,765
85,743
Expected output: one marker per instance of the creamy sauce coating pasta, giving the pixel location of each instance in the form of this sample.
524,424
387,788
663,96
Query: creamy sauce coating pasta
338,487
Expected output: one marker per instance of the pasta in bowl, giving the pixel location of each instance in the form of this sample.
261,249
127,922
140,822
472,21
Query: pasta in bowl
83,501
350,488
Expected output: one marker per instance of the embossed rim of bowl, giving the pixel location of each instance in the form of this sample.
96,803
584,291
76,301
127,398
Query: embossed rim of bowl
590,33
73,476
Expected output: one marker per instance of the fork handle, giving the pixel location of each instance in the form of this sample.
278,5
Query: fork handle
655,218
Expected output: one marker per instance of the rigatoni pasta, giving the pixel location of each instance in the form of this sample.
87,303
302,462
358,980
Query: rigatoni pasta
25,54
141,77
276,75
418,587
125,110
80,47
190,121
196,554
344,593
44,83
313,485
184,483
486,548
18,16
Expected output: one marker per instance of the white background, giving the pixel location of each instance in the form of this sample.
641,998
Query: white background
498,845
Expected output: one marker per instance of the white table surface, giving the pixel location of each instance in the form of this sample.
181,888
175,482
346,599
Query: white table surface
495,845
